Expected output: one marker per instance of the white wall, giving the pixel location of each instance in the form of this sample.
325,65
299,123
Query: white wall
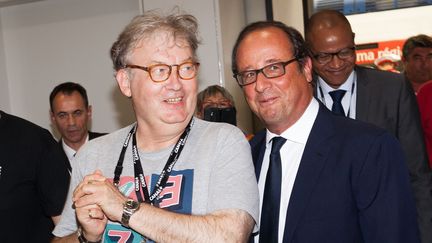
232,22
255,10
54,41
391,25
4,85
290,13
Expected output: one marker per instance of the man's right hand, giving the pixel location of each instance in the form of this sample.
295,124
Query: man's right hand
91,217
93,222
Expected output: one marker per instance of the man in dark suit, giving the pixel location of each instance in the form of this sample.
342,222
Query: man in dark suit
384,99
322,177
33,181
71,113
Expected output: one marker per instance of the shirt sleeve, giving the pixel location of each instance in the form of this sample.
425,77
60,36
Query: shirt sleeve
233,182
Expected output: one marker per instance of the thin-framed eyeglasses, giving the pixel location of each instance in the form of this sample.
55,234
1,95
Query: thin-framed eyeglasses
273,70
326,57
161,72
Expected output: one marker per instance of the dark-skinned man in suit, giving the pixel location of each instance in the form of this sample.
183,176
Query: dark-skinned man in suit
384,99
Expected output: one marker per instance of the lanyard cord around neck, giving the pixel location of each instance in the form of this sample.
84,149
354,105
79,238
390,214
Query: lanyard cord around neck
351,97
140,182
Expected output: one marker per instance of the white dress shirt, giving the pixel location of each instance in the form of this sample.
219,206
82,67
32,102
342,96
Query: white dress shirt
291,154
70,152
349,99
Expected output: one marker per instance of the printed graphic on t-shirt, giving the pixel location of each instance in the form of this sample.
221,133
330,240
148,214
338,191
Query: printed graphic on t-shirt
176,197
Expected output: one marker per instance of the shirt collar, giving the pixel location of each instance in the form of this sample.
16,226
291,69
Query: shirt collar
299,131
345,86
70,152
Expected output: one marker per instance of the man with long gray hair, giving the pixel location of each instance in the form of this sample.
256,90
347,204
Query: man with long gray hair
168,177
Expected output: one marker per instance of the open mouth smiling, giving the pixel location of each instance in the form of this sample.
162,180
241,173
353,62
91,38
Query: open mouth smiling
174,100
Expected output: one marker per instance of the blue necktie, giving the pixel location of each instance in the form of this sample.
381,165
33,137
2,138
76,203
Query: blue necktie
270,208
337,96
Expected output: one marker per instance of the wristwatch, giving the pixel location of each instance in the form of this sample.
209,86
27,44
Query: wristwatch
82,239
129,208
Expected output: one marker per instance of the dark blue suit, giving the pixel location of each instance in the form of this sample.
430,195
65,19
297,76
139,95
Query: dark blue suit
387,100
352,185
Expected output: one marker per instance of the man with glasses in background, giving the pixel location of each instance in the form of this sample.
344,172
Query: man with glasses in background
384,99
169,177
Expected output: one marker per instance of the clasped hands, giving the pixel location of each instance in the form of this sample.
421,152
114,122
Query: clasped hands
96,200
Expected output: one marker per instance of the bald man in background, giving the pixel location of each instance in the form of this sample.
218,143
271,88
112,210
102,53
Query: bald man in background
384,99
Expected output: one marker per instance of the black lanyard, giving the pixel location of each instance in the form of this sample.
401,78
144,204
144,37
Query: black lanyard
140,182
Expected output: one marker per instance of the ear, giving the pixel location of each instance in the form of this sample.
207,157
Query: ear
89,111
52,116
123,82
307,69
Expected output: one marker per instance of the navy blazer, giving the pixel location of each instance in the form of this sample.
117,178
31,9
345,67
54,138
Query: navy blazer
386,99
92,135
352,185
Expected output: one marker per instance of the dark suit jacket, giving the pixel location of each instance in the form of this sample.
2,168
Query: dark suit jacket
92,135
352,185
387,100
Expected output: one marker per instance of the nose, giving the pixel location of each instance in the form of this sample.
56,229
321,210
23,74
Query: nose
70,120
336,62
173,82
262,83
426,63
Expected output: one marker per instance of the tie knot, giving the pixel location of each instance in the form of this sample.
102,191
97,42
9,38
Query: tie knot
337,95
278,142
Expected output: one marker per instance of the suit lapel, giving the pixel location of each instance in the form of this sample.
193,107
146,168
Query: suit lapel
362,97
91,135
258,148
311,165
314,85
65,158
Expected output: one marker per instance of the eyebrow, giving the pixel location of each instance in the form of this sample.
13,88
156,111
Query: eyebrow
153,62
65,112
421,55
267,62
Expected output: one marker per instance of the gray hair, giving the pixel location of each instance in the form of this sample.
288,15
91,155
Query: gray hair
416,41
177,25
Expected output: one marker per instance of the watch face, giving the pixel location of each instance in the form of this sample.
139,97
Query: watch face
132,204
129,208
